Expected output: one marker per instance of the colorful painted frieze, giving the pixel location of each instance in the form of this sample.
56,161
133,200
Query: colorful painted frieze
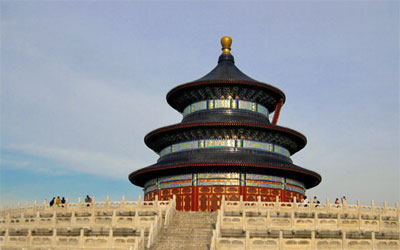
294,189
225,103
175,178
210,143
174,184
218,182
257,183
295,183
264,177
281,150
218,175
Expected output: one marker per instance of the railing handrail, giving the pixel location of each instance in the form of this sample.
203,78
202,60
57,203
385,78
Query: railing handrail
75,205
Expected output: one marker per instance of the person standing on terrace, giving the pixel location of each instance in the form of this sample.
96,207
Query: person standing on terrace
58,201
88,200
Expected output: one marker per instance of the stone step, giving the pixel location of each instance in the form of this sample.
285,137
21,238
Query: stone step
187,230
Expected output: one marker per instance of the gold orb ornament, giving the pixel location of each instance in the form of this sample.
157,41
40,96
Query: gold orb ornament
226,43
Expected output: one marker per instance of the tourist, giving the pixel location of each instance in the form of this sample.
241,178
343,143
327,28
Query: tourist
58,201
337,202
344,200
305,201
88,200
52,202
316,201
63,201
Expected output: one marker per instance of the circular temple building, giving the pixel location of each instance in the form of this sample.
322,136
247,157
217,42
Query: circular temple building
225,144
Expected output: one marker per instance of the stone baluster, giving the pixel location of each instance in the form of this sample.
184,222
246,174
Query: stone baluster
35,204
268,219
142,239
37,219
150,238
79,202
73,218
107,203
312,205
344,241
218,224
359,217
81,238
29,237
327,205
295,204
241,207
8,219
313,243
92,215
385,206
110,240
220,214
280,239
259,204
247,242
222,203
139,202
114,218
123,201
277,205
6,236
53,238
316,221
373,240
292,219
136,220
159,210
54,218
244,222
344,205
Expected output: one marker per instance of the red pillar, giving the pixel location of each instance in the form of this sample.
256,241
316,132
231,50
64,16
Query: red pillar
195,198
277,112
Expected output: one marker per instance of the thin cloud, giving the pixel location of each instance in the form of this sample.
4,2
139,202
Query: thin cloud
75,160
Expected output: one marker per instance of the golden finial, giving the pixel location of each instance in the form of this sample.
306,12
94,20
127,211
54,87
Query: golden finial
226,42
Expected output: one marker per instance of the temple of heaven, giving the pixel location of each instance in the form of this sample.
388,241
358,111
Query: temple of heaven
225,144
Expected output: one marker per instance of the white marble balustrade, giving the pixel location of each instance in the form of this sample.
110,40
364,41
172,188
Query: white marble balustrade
291,225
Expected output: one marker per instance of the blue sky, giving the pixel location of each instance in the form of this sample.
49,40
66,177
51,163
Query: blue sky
83,82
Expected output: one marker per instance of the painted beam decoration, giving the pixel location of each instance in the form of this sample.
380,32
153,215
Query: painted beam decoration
232,143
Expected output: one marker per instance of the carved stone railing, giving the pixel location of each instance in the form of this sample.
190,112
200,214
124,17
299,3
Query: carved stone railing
313,226
84,206
80,241
112,225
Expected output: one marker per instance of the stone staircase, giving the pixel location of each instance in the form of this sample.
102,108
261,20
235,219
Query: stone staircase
187,230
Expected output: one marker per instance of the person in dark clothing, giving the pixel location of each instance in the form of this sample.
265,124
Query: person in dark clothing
62,201
52,202
88,200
